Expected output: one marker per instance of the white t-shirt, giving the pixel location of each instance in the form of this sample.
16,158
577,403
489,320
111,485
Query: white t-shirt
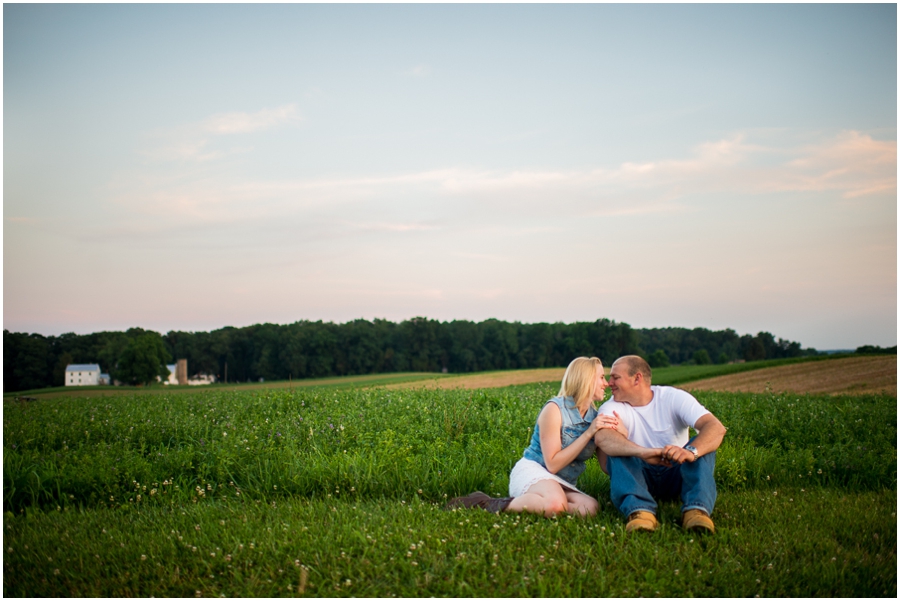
663,421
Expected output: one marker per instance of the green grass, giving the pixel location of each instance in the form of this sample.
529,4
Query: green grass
332,382
340,483
811,542
661,375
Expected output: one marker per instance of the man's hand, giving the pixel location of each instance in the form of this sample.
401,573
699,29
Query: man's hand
672,455
654,457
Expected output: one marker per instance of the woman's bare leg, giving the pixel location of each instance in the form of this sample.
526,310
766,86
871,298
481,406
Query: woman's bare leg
546,497
581,504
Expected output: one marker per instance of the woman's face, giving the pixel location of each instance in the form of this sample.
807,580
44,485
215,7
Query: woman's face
600,384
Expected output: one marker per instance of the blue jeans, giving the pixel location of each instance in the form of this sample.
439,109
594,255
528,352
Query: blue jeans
635,485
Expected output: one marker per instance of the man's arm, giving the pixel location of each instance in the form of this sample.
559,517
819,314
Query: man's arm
621,429
550,423
613,444
710,433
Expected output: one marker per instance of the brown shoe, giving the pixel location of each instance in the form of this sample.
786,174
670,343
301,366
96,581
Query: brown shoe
479,499
641,520
697,520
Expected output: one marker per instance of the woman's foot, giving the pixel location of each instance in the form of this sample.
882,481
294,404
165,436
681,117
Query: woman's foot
479,499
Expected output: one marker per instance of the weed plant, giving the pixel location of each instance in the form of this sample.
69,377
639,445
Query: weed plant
323,492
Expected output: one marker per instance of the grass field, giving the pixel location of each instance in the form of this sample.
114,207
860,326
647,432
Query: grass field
334,382
338,492
666,375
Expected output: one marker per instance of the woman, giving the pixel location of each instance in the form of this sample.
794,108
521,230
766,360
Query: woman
544,480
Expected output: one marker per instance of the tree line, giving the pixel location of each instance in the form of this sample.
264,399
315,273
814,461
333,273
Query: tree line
314,349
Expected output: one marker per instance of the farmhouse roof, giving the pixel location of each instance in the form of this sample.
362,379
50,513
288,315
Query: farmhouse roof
82,367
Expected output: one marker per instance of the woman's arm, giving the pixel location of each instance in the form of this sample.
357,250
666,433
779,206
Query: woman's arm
550,423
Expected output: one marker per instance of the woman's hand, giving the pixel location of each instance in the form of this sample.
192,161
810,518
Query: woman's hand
604,421
620,428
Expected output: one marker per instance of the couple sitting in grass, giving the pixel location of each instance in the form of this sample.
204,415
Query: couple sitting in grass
640,438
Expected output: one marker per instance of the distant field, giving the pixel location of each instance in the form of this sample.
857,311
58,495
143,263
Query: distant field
494,379
850,375
669,376
677,375
334,382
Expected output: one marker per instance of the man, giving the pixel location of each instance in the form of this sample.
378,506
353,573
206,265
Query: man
656,460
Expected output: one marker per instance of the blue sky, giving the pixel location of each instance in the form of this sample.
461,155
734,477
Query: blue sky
195,166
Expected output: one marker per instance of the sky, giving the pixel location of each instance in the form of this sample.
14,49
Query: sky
190,167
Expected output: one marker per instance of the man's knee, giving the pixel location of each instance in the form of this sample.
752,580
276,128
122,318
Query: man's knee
618,466
704,462
627,460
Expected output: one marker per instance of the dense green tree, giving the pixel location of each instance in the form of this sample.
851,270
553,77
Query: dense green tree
306,349
701,357
755,351
59,370
143,360
27,361
658,358
869,349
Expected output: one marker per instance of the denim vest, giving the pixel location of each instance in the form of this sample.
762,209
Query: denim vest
573,426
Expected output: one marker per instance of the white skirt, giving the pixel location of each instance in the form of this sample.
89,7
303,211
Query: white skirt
526,473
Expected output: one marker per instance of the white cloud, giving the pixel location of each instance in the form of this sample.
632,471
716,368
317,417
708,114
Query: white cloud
853,163
848,165
191,142
480,256
242,123
395,227
418,71
183,147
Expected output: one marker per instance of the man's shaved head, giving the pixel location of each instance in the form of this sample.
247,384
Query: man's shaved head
634,365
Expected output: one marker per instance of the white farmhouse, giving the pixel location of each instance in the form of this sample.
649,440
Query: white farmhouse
82,374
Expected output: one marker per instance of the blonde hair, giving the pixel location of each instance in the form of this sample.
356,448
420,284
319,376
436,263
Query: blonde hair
578,381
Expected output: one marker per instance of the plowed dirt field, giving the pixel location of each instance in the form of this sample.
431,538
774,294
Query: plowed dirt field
489,380
853,375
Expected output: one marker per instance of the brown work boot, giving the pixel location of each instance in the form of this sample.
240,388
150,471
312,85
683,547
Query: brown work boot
697,520
479,499
641,520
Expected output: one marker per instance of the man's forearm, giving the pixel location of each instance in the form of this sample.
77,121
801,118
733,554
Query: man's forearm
710,433
615,445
